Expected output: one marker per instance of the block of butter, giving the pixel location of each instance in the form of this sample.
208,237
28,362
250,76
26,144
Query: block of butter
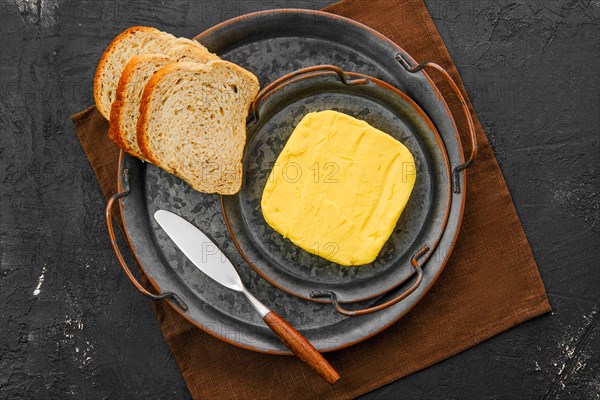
338,187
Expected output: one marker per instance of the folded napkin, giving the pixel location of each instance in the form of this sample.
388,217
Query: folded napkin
490,284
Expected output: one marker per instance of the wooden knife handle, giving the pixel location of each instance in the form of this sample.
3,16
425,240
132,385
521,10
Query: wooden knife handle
301,347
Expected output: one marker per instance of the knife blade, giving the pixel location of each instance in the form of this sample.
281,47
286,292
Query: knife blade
209,259
201,251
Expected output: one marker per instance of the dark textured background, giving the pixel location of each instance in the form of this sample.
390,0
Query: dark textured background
72,326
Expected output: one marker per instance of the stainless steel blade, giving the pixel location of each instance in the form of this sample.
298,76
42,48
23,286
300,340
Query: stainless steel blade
200,250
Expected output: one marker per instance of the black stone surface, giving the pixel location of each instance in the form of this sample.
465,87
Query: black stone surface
71,325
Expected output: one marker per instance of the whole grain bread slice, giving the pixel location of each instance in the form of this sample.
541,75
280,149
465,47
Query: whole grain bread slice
193,122
133,41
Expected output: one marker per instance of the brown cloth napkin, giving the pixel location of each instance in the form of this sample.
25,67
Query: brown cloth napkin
490,284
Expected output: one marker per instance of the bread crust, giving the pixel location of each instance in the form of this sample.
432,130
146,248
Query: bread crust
106,55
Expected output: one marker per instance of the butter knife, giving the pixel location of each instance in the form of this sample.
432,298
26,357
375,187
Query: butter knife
207,257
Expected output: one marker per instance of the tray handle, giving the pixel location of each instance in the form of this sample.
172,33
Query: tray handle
459,168
296,76
111,234
352,313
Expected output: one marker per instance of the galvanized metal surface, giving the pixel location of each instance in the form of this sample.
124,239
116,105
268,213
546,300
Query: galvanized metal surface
423,220
271,45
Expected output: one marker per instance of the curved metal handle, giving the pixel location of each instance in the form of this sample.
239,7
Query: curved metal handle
457,170
111,233
296,76
351,313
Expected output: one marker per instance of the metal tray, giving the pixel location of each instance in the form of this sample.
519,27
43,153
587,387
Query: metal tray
278,109
272,44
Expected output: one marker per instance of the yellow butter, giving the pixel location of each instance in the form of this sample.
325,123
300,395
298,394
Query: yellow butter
338,187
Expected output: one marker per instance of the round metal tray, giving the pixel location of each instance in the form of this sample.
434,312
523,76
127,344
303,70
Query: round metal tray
422,223
272,44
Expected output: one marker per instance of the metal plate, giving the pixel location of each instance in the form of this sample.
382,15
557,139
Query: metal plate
272,44
424,219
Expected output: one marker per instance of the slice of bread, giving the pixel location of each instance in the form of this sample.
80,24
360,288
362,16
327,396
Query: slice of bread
138,71
193,122
126,107
133,41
